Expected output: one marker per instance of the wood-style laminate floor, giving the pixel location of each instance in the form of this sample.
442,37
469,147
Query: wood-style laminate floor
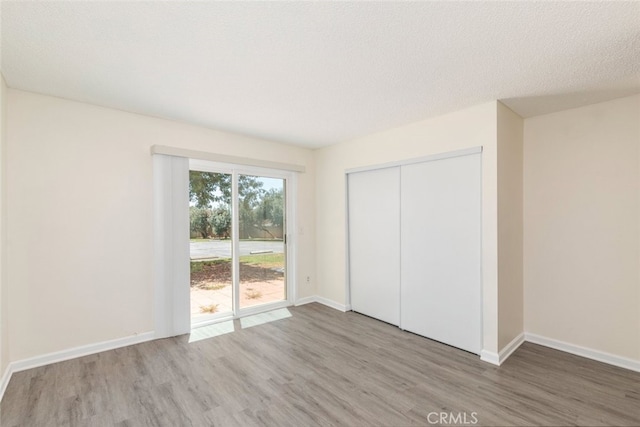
319,367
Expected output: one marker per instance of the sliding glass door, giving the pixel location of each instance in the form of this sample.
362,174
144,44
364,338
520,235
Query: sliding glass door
210,245
238,250
261,240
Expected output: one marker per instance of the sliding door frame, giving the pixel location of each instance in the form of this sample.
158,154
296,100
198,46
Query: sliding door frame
289,179
171,258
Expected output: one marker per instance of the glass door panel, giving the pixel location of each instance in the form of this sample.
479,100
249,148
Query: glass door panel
211,245
262,248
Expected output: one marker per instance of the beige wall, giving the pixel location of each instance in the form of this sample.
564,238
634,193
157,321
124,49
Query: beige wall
581,226
79,218
471,127
510,288
4,348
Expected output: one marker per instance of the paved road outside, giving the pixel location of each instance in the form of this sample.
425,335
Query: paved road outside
222,248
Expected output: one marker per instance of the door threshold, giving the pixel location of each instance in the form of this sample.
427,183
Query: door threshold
246,312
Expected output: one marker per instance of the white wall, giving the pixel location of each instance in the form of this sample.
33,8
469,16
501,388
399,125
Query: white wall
510,287
581,226
471,127
79,218
4,348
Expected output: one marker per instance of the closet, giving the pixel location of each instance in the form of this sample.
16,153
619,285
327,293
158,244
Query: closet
415,246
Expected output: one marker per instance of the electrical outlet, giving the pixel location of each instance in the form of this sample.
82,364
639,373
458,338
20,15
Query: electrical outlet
308,279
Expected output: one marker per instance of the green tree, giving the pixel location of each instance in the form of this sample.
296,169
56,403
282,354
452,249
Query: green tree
206,188
271,209
250,193
199,220
221,222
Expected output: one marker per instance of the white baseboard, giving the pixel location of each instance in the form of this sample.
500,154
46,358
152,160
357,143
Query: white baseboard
333,304
490,357
589,353
511,347
499,358
4,382
305,300
85,350
72,353
323,301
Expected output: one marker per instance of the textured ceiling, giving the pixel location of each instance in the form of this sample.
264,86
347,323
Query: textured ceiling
318,73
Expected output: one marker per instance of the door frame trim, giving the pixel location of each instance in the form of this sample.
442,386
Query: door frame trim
413,160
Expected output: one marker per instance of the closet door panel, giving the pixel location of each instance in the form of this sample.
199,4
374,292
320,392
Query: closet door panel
374,243
441,250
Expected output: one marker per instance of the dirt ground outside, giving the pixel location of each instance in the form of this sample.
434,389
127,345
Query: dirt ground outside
261,282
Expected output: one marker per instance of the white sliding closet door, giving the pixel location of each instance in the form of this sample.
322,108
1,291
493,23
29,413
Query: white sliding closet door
374,243
441,250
